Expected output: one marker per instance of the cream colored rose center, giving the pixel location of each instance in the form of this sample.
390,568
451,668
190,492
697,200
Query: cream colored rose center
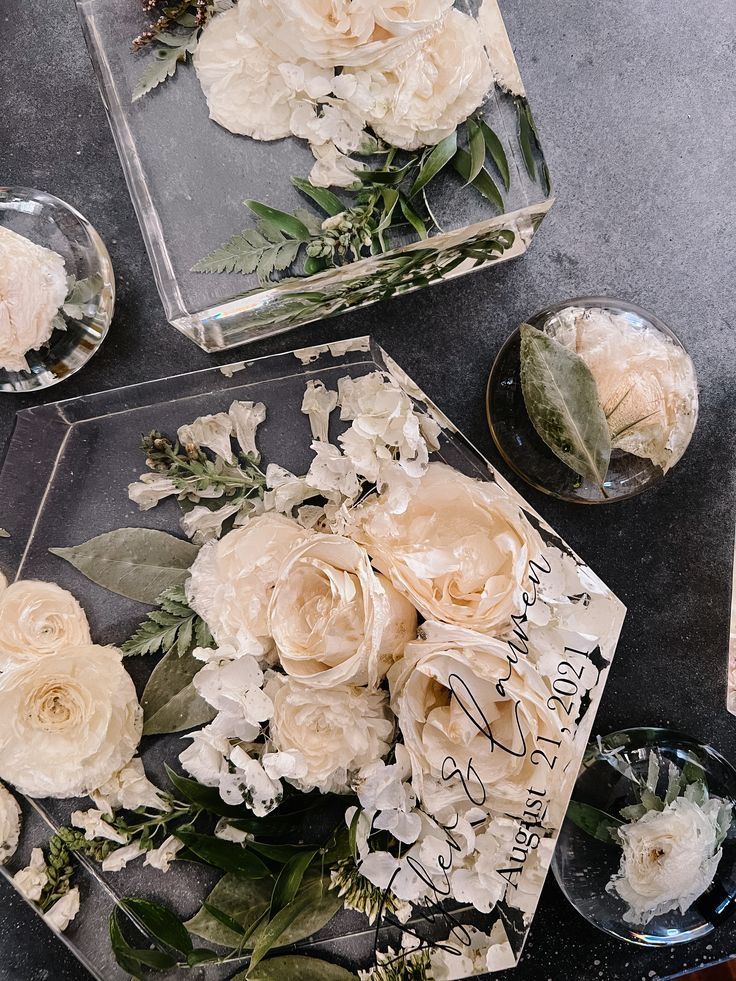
54,707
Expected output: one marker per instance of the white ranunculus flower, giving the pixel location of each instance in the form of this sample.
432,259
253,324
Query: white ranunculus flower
71,721
337,730
466,711
333,619
232,579
425,97
669,858
343,32
245,91
36,620
460,551
32,289
9,825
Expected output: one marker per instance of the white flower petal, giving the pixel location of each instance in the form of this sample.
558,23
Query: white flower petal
246,418
212,433
60,915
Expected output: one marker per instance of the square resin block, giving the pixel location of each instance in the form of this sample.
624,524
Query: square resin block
188,178
84,452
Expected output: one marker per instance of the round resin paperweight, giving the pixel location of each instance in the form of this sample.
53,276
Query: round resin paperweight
647,851
57,290
592,400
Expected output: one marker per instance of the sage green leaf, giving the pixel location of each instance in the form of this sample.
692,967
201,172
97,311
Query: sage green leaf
286,223
497,152
224,854
527,137
161,65
139,563
412,217
163,925
170,702
289,880
327,201
435,161
593,821
246,900
271,933
483,182
477,148
561,398
295,967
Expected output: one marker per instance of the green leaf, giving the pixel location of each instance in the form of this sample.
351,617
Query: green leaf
483,183
477,148
170,701
224,919
208,798
269,935
161,65
295,967
251,251
139,563
527,138
163,925
201,956
497,152
286,223
594,822
327,201
561,398
412,217
226,855
289,880
170,626
435,161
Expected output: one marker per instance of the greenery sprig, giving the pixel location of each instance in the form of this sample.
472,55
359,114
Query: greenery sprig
172,626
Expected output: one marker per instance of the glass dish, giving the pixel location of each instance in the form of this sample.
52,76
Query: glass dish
188,178
50,222
583,865
524,450
83,453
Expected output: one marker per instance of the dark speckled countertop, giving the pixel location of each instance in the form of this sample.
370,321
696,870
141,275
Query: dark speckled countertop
636,104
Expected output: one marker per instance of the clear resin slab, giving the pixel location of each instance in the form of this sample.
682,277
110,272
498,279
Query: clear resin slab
189,178
64,480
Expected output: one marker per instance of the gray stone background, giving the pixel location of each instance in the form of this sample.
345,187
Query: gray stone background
636,107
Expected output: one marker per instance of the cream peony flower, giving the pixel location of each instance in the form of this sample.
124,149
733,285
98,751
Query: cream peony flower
424,97
669,858
36,619
71,721
343,32
232,579
9,825
646,383
466,712
245,91
333,619
32,289
336,730
460,551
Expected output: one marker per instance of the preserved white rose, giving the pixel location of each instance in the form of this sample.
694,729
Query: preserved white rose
471,719
333,619
333,33
646,383
71,721
335,730
9,825
232,579
36,620
32,289
426,96
669,858
460,551
245,91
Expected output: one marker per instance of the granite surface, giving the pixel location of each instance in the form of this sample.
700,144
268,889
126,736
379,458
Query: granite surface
636,107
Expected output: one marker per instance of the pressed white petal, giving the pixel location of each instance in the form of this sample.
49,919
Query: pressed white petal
9,825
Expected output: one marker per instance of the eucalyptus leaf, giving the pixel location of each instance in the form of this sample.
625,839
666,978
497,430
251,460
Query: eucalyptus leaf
598,824
170,701
295,967
527,137
436,160
413,218
497,152
477,149
139,563
482,182
561,398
